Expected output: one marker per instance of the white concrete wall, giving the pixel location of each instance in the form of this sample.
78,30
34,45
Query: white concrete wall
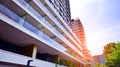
10,57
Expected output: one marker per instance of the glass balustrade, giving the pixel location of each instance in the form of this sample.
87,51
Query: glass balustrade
30,27
51,16
38,16
55,10
8,13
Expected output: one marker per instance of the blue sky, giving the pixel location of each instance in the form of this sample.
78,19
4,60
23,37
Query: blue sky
101,21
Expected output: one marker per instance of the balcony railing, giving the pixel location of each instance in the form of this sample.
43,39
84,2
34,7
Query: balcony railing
39,16
30,27
55,21
44,22
55,11
33,29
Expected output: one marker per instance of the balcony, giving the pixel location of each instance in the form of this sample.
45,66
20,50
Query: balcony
54,12
41,6
31,28
44,22
14,20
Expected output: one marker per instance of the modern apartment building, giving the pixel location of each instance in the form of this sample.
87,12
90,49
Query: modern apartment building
36,33
63,8
78,29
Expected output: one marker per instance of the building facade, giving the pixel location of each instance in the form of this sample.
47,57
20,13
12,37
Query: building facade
99,59
35,33
63,8
78,29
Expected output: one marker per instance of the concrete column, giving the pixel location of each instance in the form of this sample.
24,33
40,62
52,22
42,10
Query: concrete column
30,50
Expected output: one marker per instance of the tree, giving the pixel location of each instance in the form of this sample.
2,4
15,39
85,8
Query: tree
108,49
99,65
112,54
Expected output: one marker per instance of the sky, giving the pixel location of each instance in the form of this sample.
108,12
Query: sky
101,21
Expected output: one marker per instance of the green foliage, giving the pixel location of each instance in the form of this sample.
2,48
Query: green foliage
67,63
99,65
108,49
59,62
112,54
